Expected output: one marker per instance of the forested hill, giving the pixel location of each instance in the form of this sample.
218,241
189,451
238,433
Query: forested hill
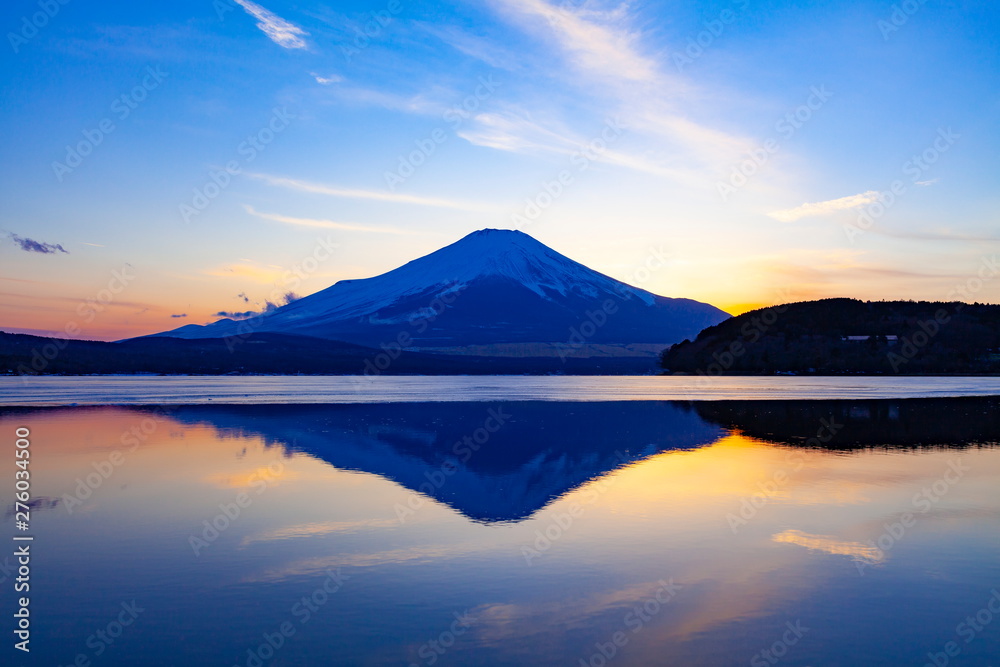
847,336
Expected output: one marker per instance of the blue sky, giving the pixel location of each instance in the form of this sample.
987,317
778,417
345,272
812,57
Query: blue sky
645,111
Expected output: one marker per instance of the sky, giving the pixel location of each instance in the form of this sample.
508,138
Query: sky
167,163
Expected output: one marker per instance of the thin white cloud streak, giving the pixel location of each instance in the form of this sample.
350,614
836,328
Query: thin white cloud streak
938,236
512,132
824,207
472,46
707,144
645,165
607,54
280,31
374,195
325,224
414,104
597,45
326,80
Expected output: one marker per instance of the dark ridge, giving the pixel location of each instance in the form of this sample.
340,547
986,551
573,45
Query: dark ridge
274,354
845,337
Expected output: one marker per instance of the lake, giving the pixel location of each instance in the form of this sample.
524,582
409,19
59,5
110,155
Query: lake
509,521
151,390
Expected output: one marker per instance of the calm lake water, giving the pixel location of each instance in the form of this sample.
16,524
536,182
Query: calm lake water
152,390
491,531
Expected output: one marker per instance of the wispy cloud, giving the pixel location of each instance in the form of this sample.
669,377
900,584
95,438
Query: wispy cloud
594,41
31,245
944,235
268,306
326,224
607,55
472,46
241,315
513,130
824,207
179,315
815,273
430,102
281,32
326,80
24,280
375,195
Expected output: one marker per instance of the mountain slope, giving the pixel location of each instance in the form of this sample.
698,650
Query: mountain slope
492,286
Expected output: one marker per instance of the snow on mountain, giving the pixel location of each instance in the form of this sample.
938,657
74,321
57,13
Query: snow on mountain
489,253
500,286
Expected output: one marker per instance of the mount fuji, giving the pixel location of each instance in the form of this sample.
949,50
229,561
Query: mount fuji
492,293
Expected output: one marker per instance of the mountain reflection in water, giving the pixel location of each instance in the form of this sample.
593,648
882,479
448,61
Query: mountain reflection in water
700,531
505,461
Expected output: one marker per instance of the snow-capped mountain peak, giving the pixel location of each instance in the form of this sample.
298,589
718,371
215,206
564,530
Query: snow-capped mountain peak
504,254
500,286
